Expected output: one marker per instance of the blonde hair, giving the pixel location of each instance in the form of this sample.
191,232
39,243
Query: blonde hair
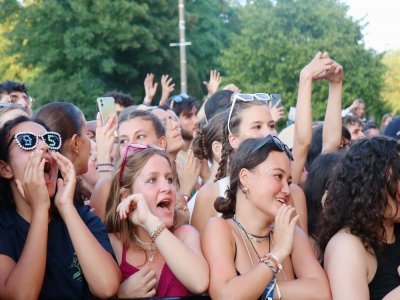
134,165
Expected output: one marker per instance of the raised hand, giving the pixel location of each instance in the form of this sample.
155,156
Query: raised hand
33,187
319,67
135,206
141,284
213,84
168,87
105,138
188,173
336,74
284,231
150,88
231,87
65,185
277,111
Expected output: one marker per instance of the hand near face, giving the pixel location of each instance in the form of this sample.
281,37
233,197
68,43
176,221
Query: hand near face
284,231
135,206
277,111
142,284
33,187
65,185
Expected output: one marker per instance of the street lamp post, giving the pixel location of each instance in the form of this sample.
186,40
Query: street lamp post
182,45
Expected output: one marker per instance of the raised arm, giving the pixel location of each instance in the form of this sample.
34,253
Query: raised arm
220,251
167,87
150,89
332,128
315,70
23,279
212,87
104,145
98,266
180,249
311,281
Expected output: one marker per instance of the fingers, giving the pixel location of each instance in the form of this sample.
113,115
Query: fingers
65,165
98,120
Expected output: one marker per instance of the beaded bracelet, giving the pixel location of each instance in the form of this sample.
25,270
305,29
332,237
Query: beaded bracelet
156,232
275,260
110,164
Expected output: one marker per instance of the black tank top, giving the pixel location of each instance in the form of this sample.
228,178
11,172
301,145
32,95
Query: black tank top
386,277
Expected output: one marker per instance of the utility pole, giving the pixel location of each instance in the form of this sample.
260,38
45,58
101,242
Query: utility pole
182,45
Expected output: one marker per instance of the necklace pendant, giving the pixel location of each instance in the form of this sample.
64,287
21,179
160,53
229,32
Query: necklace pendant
151,257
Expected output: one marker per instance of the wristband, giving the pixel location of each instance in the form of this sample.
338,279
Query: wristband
156,232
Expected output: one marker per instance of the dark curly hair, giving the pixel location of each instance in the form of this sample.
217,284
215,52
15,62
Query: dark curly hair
316,184
242,158
358,195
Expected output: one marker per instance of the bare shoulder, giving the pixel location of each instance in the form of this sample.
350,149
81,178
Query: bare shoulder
208,192
348,250
218,226
185,231
346,241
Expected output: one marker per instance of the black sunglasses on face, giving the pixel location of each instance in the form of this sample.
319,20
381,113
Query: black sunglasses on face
276,141
29,141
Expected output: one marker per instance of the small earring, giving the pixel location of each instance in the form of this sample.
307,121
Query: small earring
244,190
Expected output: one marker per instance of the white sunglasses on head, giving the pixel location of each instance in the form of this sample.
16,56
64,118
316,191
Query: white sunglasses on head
246,98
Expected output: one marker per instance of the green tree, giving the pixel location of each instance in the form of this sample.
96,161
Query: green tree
277,38
83,48
391,89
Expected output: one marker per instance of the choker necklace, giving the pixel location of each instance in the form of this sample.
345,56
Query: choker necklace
254,237
142,245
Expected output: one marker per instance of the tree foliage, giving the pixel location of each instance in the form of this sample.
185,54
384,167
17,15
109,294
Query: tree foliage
84,48
277,38
391,89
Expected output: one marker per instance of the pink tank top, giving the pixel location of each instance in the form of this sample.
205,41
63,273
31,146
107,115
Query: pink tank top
168,285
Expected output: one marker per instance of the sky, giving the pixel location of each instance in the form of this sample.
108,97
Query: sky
382,31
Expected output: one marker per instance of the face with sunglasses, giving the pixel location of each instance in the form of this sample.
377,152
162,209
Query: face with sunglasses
254,115
26,140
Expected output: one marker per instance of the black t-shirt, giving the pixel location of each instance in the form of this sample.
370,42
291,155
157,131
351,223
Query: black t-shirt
386,277
63,277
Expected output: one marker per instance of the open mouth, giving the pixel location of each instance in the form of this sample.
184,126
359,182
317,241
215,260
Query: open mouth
47,171
165,206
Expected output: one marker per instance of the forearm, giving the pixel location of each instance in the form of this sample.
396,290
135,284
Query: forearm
332,130
29,271
179,256
250,285
98,266
304,289
303,127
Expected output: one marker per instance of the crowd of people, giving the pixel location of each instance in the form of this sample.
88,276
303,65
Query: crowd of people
187,200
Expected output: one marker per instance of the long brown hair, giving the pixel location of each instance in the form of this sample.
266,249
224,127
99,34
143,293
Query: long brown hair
134,165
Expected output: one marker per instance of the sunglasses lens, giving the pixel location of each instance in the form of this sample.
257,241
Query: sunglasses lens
53,140
262,96
245,97
27,141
